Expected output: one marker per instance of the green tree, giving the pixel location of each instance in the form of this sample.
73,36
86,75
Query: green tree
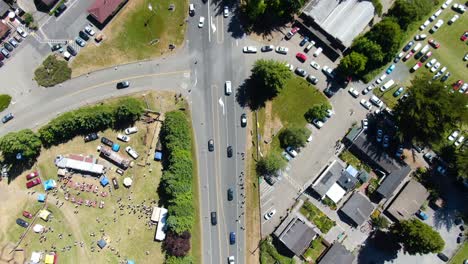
353,64
378,7
128,111
462,163
295,137
5,100
270,164
388,35
406,12
417,237
28,19
255,9
318,111
429,111
270,76
380,222
179,260
365,46
23,142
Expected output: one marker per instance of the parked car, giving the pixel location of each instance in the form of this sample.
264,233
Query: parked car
437,25
33,183
454,135
27,214
22,32
123,138
442,256
464,36
282,50
376,101
427,56
328,71
5,53
416,66
365,124
457,85
60,9
390,69
353,92
399,152
80,42
423,216
431,63
310,46
88,29
446,4
304,41
317,123
270,179
267,48
328,92
368,89
13,42
131,130
463,88
379,135
381,78
83,35
434,43
115,183
56,47
243,120
453,19
291,152
398,57
232,260
123,84
132,152
408,46
90,137
71,50
301,57
428,157
32,175
315,65
211,145
459,141
420,37
22,223
249,49
226,11
286,156
424,25
270,214
408,56
289,66
386,141
366,104
292,32
312,79
398,92
301,72
435,67
445,77
7,118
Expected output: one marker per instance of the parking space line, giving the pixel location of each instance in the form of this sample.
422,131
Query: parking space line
266,202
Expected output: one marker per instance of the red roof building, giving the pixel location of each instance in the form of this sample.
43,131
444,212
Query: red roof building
102,10
4,30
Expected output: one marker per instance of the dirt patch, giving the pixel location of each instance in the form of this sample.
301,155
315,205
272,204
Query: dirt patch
412,159
271,127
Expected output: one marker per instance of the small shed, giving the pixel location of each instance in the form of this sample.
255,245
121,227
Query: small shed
104,181
102,243
363,176
41,197
44,214
157,156
50,184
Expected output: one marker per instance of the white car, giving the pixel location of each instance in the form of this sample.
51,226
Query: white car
270,214
446,4
366,104
315,65
124,138
309,139
436,27
226,11
131,152
459,141
328,71
466,57
201,22
463,88
131,130
423,26
435,67
282,50
290,66
66,55
420,37
454,135
365,124
249,49
291,152
381,78
231,260
317,123
89,30
22,32
368,89
453,19
376,101
431,63
353,92
329,113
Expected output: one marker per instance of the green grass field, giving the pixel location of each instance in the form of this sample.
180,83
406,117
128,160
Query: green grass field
461,255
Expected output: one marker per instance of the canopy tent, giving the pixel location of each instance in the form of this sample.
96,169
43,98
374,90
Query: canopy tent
101,243
36,257
38,228
104,181
50,184
352,171
335,193
127,182
50,259
41,197
44,214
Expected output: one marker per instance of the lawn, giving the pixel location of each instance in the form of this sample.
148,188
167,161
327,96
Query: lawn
461,255
269,254
317,217
128,39
352,160
315,250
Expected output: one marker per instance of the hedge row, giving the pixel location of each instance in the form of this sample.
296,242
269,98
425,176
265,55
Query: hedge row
90,119
176,183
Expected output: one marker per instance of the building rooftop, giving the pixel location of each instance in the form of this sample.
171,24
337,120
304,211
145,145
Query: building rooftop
4,29
328,178
358,208
337,254
347,181
408,201
297,236
344,20
101,10
392,181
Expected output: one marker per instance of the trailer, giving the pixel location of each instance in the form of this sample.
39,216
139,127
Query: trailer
114,157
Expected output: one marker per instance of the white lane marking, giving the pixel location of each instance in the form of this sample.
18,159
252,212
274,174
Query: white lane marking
213,26
209,33
196,79
266,202
221,103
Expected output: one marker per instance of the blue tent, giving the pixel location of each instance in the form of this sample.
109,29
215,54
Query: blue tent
101,243
157,156
49,184
41,197
104,181
130,262
115,147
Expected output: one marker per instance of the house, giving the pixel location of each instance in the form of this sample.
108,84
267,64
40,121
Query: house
392,181
103,10
4,30
337,253
348,178
297,236
328,179
408,201
358,209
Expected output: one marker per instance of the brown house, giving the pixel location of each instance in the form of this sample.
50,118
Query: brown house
103,10
4,30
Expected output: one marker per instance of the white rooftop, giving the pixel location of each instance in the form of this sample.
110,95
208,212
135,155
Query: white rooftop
335,193
80,165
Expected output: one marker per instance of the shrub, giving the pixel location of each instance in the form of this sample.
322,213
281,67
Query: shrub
52,72
5,100
295,137
177,245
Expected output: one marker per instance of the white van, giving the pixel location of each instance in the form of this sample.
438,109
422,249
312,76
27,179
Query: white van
310,46
228,87
387,85
417,47
191,10
317,52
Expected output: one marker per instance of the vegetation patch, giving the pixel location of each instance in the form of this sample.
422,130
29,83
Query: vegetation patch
462,254
317,217
5,100
354,161
315,250
269,254
52,72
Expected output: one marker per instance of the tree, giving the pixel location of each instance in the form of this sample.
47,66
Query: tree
408,11
429,111
365,46
385,241
255,9
417,237
28,19
388,35
270,164
295,137
23,142
128,111
353,64
378,7
177,245
318,111
380,222
462,163
270,76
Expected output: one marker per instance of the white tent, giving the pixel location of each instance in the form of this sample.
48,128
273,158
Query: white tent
36,257
335,193
127,182
38,228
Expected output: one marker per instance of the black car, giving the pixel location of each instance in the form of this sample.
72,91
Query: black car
243,120
459,239
232,238
418,55
328,92
443,257
300,72
270,180
83,35
107,141
7,118
56,47
115,183
230,194
60,10
91,137
445,77
267,48
22,223
214,219
408,46
210,145
8,46
229,151
71,50
124,84
429,158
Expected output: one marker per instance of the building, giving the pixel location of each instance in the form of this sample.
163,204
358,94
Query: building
103,10
337,253
357,209
408,201
392,181
4,9
162,226
328,179
297,236
4,30
79,163
348,178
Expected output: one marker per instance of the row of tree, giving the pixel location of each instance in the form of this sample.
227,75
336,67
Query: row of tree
256,10
379,45
176,186
24,146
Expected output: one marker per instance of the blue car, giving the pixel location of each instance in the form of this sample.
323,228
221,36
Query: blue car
390,69
398,92
422,215
304,41
232,238
7,118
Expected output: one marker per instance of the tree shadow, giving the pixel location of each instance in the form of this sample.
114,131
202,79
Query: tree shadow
250,94
17,169
379,248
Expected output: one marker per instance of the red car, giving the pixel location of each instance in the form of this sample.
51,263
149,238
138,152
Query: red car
32,175
27,214
408,55
464,36
457,85
33,183
301,57
291,33
434,43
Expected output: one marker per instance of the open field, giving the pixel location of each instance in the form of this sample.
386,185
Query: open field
124,220
129,40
